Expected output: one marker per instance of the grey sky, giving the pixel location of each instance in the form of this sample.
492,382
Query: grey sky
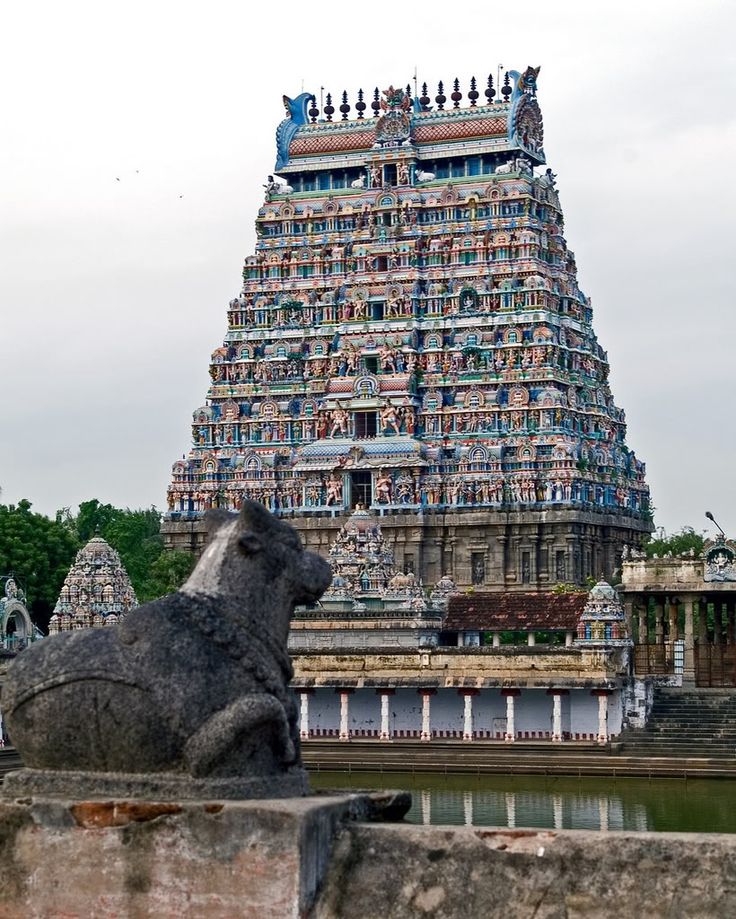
113,294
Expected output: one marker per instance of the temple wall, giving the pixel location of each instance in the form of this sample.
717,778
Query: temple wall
437,544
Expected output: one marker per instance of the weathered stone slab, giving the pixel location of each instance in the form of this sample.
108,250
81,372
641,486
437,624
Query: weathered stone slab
308,858
462,873
257,860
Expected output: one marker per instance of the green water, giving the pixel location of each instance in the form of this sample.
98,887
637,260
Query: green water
677,805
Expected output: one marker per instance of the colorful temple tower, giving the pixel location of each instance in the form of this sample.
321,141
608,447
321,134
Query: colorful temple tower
411,337
96,592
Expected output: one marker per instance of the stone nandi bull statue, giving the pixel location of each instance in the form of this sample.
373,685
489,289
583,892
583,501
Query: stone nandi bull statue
189,694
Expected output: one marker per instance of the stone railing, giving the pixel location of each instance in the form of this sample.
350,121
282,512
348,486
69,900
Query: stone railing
311,857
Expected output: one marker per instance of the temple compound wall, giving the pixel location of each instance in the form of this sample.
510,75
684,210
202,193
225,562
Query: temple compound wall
410,337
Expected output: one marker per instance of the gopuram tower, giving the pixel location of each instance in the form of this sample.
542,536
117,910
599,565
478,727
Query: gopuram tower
411,338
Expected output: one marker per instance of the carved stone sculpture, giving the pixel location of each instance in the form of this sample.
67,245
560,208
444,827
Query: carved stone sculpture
188,695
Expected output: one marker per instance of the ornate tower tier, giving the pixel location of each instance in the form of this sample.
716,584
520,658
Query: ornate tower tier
411,337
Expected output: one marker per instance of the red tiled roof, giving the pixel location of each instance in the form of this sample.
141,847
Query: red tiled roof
515,612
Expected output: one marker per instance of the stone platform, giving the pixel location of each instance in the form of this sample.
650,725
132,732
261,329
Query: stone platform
126,858
317,858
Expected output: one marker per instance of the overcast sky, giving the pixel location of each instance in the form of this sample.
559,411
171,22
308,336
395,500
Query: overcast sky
114,293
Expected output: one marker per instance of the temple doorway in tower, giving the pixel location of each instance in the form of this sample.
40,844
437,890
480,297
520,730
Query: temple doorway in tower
366,425
361,488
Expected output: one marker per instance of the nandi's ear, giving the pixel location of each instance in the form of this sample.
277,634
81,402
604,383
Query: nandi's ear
251,542
214,519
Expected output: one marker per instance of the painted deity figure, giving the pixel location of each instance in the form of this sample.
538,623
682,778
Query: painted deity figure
339,421
334,490
390,418
387,359
383,488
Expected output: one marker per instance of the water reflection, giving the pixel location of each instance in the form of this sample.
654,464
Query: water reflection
558,802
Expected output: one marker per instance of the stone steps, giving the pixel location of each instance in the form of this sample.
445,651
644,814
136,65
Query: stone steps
483,758
687,724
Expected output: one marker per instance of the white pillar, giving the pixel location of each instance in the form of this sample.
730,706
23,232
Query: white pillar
385,722
556,717
426,808
344,715
510,808
531,639
557,811
304,720
426,716
468,715
568,639
468,807
602,717
496,640
510,736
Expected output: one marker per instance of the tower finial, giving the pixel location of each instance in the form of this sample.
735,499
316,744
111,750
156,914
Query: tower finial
456,95
440,98
490,91
473,94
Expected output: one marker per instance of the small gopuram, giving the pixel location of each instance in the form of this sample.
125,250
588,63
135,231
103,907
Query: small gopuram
96,592
411,337
682,612
381,656
16,627
370,604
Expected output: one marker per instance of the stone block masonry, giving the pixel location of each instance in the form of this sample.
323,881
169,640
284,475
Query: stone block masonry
309,858
253,860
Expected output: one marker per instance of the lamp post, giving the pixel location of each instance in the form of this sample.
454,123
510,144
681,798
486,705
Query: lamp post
713,520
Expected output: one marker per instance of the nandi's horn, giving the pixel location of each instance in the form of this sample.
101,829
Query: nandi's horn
256,516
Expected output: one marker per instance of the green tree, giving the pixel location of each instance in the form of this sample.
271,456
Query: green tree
169,572
94,519
135,534
38,552
682,541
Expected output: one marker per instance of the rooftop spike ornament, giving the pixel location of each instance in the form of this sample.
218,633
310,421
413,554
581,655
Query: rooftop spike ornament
456,95
440,98
473,94
411,336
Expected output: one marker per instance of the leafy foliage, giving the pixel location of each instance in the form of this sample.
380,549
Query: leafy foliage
682,541
39,550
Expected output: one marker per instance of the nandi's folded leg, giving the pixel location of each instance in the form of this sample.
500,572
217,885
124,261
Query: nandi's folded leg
226,727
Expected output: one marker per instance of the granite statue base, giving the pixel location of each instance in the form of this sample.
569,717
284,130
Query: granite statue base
152,786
